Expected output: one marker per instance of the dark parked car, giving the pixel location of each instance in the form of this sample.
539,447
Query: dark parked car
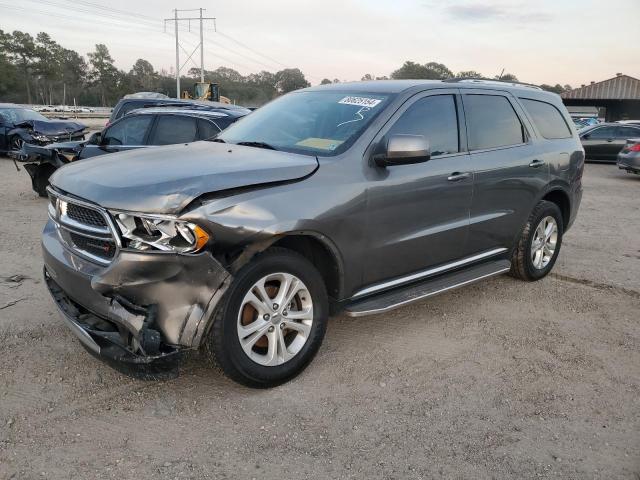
142,128
603,142
134,102
629,156
19,125
360,197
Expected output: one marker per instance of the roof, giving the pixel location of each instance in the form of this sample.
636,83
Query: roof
397,86
620,87
183,111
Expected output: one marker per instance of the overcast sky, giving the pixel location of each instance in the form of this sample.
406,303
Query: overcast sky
543,41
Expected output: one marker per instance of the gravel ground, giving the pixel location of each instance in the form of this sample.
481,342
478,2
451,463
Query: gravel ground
498,380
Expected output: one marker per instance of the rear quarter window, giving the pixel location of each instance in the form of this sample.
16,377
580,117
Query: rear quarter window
547,118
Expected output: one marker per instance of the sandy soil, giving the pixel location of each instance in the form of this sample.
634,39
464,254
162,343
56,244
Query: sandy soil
499,380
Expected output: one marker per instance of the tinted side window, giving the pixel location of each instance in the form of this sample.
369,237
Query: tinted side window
491,122
207,129
434,117
224,122
172,129
628,132
131,105
547,118
602,133
129,131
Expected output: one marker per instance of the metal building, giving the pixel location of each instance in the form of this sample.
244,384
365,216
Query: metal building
618,96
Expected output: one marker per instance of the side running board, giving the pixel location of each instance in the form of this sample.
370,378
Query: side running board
398,297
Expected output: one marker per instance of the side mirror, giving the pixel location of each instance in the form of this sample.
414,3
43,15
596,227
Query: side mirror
404,150
586,136
95,138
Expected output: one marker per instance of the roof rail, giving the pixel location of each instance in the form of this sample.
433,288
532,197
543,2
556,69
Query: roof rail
488,81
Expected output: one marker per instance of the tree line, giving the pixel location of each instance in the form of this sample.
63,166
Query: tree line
38,70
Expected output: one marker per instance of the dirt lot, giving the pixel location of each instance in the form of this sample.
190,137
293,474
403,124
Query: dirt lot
499,380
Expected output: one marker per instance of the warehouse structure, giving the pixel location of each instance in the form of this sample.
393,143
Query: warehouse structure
618,97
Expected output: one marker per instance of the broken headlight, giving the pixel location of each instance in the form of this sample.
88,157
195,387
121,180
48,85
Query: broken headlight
40,138
149,233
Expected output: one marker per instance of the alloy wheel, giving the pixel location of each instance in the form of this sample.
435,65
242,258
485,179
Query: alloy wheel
275,319
543,245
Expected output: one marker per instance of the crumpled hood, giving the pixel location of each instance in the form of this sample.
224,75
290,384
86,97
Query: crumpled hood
167,179
53,127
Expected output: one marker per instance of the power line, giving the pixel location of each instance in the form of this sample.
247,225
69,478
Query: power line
239,43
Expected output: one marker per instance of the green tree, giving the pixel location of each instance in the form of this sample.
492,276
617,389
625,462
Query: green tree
143,75
290,79
507,77
325,81
103,74
469,74
367,77
428,71
21,51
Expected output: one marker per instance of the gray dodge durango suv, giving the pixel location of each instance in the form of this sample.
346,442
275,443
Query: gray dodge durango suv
356,197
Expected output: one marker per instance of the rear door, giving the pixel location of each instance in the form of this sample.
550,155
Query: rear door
599,143
170,129
508,173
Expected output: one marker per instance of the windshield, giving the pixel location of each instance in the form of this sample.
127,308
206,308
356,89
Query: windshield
17,115
317,123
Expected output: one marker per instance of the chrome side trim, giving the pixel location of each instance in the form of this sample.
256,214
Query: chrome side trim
427,273
426,295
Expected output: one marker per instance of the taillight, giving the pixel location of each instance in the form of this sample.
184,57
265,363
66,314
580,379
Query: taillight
635,147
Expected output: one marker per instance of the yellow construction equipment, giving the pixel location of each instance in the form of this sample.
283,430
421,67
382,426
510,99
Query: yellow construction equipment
205,91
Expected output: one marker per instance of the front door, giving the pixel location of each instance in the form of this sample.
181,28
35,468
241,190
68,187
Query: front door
418,215
127,133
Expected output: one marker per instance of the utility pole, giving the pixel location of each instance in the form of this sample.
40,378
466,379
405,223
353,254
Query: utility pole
201,50
176,19
175,13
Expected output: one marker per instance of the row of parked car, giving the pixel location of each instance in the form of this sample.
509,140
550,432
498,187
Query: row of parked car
46,144
63,108
617,142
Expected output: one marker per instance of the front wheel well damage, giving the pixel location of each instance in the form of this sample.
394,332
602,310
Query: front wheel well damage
310,247
320,255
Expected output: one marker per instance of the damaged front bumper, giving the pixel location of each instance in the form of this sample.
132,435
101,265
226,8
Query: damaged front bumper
144,308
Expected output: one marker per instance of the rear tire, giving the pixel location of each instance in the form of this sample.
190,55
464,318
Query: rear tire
537,250
269,344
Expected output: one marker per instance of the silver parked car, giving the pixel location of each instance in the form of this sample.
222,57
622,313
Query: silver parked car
629,156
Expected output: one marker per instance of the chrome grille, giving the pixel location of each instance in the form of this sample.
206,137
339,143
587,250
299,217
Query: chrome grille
83,227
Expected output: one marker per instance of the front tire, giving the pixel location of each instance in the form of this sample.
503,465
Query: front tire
16,143
271,321
537,249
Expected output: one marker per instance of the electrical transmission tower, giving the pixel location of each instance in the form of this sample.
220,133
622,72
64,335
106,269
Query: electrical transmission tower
176,19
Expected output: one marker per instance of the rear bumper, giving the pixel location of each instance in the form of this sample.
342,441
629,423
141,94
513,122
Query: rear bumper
143,308
629,162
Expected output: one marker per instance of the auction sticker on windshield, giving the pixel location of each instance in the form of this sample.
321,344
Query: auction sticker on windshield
360,101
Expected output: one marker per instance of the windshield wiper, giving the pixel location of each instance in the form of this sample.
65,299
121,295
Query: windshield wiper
215,139
258,145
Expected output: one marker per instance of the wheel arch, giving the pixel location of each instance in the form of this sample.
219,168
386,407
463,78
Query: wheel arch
313,246
561,198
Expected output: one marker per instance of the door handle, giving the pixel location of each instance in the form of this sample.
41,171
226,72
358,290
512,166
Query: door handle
457,176
536,163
